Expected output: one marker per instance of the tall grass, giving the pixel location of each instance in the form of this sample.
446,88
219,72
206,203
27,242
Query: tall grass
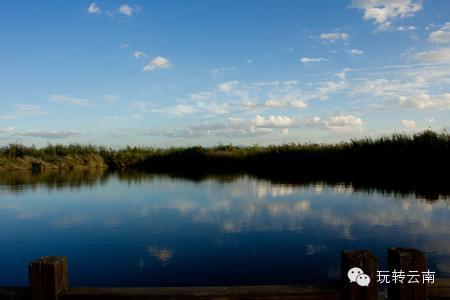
425,153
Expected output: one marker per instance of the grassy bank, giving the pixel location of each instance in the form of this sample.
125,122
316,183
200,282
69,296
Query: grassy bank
73,157
424,154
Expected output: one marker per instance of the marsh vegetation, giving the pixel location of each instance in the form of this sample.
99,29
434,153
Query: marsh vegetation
424,154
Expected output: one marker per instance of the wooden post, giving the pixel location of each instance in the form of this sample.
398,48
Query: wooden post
47,277
368,263
406,260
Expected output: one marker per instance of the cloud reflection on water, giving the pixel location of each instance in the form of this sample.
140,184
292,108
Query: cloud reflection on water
321,215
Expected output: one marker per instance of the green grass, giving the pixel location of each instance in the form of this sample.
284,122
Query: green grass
422,154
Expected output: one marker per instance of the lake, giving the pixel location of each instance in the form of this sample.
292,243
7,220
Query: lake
134,229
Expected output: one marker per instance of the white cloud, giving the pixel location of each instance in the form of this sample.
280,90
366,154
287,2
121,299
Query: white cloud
176,109
231,128
7,130
339,123
425,101
334,36
386,88
441,36
157,63
69,100
328,87
344,121
201,96
440,55
342,74
126,10
216,71
211,108
139,54
272,121
227,87
297,104
307,60
383,12
285,101
356,52
93,9
49,134
406,28
409,124
273,103
263,95
181,109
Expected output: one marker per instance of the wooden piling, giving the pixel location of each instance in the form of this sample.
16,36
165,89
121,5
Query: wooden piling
412,262
367,262
47,277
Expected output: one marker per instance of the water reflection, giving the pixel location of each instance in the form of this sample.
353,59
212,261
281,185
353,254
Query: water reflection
162,254
18,181
148,229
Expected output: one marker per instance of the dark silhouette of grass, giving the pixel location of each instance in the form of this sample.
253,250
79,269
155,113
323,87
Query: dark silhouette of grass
399,157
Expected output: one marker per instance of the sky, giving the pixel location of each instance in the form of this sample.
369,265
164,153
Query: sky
181,73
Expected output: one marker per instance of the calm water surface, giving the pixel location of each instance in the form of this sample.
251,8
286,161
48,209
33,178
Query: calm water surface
154,230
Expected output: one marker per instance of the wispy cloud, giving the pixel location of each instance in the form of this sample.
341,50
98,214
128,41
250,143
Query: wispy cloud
410,124
126,10
308,60
65,99
123,10
384,12
356,52
286,101
230,128
339,123
273,121
139,54
441,36
178,109
439,55
425,101
259,125
406,28
7,130
93,9
49,134
334,36
157,63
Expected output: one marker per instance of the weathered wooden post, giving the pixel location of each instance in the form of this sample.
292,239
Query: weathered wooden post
409,264
47,277
368,263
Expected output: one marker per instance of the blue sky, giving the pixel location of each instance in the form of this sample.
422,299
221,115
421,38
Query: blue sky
162,73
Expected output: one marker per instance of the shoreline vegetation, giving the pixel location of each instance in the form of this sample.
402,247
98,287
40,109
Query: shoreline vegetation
424,155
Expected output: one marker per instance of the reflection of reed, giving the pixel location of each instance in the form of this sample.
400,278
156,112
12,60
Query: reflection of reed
429,190
17,181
